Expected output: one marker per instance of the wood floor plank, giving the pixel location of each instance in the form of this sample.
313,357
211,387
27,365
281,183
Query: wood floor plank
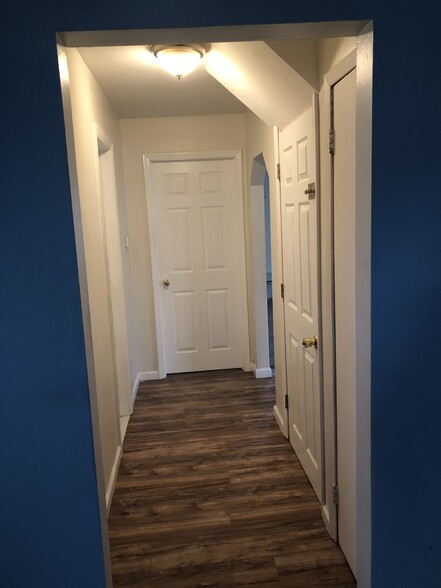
210,493
252,572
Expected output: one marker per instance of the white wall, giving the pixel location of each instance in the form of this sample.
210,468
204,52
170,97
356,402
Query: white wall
160,135
90,107
301,55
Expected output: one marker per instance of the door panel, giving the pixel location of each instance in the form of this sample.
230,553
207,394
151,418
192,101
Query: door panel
197,238
296,411
214,234
184,313
300,269
179,224
305,262
217,313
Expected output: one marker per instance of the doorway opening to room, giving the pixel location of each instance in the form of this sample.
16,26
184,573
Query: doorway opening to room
255,131
260,230
269,271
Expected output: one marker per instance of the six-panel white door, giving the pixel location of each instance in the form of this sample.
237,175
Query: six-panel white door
197,240
300,271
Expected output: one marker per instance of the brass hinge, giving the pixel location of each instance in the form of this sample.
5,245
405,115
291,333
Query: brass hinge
286,401
282,290
278,171
331,141
335,494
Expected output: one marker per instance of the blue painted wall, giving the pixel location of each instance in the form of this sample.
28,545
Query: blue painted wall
49,509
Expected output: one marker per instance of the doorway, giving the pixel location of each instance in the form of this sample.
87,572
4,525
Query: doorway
364,474
115,286
260,229
269,270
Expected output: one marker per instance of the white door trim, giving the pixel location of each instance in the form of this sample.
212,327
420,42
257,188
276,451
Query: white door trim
280,410
363,300
361,58
85,311
341,69
236,156
114,275
329,510
364,130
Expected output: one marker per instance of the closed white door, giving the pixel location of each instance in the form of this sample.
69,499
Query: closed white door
300,276
198,244
345,340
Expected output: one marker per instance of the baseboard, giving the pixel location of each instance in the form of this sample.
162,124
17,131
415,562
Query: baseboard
142,377
261,372
264,373
111,485
280,421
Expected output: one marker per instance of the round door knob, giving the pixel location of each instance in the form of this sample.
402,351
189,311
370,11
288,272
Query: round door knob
310,342
166,282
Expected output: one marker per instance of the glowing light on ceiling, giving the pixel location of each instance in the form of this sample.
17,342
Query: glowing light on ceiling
179,60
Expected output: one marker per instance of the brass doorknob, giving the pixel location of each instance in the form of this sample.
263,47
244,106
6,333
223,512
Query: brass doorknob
310,342
166,282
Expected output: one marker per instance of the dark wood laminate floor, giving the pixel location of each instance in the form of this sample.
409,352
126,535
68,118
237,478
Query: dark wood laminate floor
210,493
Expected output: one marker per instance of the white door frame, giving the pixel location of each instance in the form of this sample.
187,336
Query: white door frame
361,58
114,273
230,33
236,157
329,510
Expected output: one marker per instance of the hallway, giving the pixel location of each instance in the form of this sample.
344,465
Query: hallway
210,493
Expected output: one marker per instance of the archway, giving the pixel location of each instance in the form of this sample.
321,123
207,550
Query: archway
261,264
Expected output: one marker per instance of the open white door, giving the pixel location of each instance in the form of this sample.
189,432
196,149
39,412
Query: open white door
195,208
300,275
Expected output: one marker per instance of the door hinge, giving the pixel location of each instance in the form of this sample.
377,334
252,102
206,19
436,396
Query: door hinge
331,141
286,401
282,290
278,171
335,494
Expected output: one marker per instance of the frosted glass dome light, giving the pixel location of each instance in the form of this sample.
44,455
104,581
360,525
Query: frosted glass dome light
179,60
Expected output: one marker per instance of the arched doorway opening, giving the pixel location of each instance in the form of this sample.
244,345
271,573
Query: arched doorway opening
263,361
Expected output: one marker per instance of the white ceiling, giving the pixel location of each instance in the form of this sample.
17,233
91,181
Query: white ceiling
137,87
261,79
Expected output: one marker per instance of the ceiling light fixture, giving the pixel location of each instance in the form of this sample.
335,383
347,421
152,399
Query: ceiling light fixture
179,60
